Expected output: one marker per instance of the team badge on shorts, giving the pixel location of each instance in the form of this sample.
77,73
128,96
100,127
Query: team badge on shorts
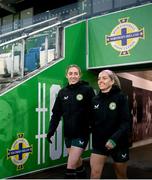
112,106
79,97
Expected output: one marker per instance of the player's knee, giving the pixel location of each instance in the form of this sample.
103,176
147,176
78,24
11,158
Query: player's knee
95,173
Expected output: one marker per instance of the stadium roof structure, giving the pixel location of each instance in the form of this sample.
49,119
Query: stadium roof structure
8,7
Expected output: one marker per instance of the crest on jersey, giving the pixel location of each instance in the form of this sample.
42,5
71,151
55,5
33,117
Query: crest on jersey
112,106
79,97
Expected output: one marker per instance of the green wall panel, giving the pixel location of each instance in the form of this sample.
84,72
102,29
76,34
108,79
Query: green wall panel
121,38
26,110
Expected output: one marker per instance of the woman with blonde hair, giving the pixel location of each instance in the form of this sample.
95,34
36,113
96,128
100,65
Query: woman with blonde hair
110,126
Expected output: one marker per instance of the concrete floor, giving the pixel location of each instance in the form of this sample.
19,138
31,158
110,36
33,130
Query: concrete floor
139,167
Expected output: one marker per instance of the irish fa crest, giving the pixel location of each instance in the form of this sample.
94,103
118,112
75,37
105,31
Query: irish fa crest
19,151
79,97
112,106
124,36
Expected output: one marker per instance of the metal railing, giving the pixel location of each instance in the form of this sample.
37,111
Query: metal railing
31,55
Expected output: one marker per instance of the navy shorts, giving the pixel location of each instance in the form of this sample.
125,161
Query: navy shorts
118,154
77,142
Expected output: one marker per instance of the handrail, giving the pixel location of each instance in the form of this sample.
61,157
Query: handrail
14,40
43,29
60,22
74,17
27,27
40,30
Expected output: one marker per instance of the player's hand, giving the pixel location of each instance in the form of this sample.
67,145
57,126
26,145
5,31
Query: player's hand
110,144
49,138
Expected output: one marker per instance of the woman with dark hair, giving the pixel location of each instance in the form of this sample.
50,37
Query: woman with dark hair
110,126
73,103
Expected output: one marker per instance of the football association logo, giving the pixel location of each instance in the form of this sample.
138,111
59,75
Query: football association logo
19,151
124,36
79,97
112,106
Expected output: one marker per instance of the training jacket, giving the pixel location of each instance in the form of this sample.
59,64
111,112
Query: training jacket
73,103
111,118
